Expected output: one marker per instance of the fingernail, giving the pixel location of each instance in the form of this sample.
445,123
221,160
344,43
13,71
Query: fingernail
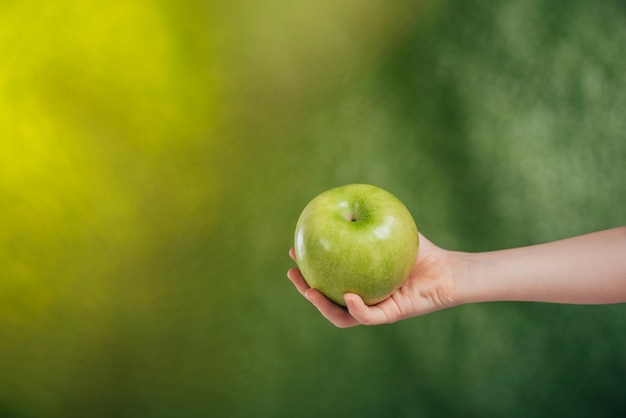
307,295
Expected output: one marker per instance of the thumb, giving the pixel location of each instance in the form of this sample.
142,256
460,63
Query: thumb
365,315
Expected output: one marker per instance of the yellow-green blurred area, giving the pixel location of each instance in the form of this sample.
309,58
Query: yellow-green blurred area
155,156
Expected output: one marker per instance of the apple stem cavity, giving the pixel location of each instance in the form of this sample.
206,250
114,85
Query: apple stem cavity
355,213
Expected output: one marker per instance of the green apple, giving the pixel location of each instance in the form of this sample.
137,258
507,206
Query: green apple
356,238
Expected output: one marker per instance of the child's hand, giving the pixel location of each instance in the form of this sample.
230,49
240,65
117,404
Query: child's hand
587,269
430,287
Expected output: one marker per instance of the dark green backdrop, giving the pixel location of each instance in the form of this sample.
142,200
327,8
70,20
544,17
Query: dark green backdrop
154,158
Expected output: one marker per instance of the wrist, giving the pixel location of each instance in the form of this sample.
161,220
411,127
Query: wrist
464,274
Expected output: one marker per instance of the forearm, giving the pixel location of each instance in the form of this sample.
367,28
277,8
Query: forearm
588,269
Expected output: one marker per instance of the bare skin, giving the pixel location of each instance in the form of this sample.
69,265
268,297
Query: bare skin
588,269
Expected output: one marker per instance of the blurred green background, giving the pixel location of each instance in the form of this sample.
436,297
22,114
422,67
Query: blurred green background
155,155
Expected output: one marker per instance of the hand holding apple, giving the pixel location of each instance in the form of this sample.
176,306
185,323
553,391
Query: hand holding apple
429,288
584,269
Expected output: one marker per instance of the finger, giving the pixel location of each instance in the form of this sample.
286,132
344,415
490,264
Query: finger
366,315
292,253
336,314
298,281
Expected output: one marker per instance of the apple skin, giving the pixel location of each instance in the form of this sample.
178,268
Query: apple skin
356,238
